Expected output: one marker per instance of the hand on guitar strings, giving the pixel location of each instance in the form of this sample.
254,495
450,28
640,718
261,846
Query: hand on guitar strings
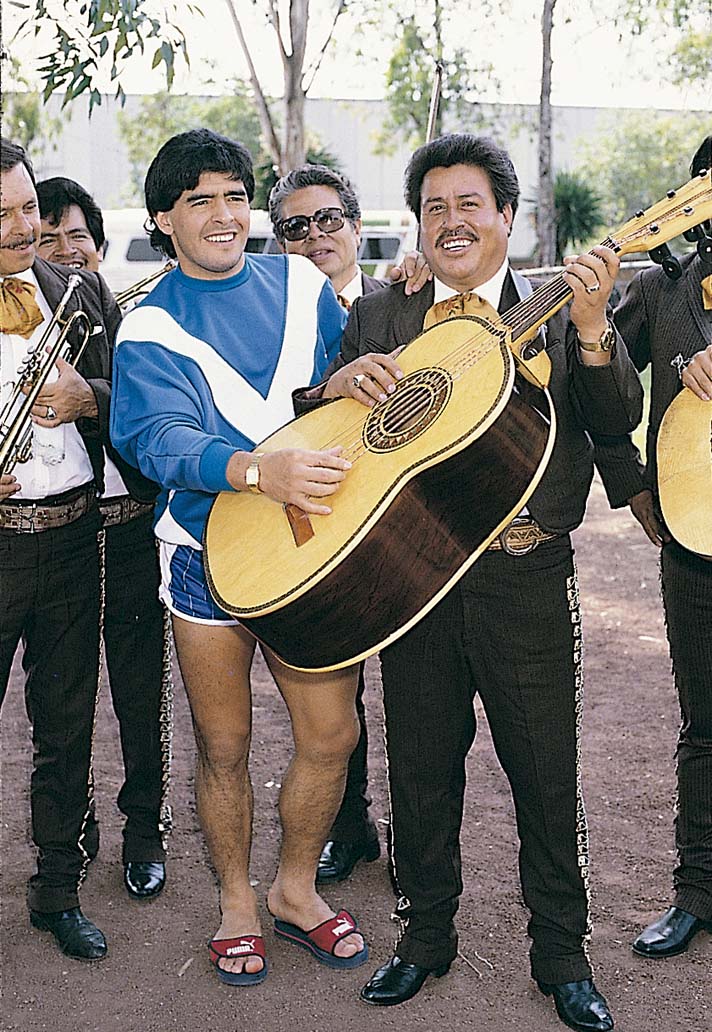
295,476
697,374
591,278
368,379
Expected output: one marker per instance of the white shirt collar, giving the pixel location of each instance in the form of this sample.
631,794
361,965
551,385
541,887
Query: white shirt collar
353,289
491,291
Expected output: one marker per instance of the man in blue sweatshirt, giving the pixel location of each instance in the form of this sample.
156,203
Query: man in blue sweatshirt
204,370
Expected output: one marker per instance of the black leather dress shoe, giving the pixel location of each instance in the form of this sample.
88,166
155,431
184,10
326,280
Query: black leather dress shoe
75,934
144,880
338,859
580,1005
670,934
397,982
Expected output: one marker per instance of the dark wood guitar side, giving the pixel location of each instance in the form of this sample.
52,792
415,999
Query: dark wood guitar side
423,543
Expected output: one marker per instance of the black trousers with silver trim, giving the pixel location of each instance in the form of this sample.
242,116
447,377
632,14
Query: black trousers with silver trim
134,626
49,585
687,595
510,631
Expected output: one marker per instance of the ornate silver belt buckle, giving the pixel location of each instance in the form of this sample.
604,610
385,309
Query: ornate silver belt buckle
510,545
26,520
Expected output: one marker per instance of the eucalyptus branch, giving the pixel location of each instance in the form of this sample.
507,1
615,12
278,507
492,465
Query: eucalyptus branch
313,70
275,22
260,100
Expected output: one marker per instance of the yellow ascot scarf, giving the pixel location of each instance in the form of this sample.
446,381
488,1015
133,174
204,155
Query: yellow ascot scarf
707,293
457,305
19,312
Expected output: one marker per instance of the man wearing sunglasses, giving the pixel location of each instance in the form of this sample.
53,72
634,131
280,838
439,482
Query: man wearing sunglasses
315,212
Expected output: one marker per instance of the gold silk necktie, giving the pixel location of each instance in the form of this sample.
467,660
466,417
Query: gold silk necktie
343,302
457,305
707,293
19,312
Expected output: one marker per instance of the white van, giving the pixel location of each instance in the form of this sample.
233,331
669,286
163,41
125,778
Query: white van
387,236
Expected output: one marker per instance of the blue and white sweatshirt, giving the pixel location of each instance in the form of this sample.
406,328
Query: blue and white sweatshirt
204,368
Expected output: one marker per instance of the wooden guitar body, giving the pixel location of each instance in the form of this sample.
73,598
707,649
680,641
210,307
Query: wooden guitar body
684,456
438,470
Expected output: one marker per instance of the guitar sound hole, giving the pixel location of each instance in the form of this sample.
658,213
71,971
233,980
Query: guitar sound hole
415,404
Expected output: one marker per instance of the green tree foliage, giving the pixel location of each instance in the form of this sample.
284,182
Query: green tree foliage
86,35
420,44
635,159
24,120
578,211
686,25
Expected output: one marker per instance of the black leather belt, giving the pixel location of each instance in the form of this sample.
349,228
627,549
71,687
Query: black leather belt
520,537
116,511
33,516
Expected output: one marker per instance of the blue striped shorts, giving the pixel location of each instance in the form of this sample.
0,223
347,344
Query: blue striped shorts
184,589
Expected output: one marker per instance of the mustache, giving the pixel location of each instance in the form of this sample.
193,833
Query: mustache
20,242
457,234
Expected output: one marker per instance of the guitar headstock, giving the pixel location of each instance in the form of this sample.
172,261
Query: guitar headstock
679,210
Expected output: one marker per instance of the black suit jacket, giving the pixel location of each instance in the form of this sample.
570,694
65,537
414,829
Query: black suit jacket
371,284
95,299
599,398
659,319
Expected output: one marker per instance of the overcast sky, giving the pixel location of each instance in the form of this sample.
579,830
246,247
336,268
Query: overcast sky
592,67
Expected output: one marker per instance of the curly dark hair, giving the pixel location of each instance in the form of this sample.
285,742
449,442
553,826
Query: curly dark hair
12,154
703,157
55,195
179,165
463,149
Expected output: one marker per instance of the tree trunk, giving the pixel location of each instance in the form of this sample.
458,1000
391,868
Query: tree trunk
294,148
546,218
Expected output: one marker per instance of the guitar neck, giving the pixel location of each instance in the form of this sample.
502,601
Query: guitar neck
680,210
525,318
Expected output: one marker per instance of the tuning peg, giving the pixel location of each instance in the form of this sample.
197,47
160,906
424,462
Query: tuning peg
694,234
704,249
670,265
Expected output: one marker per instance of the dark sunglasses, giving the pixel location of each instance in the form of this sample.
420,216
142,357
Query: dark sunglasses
328,220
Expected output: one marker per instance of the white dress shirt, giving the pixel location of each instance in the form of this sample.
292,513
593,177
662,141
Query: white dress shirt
59,460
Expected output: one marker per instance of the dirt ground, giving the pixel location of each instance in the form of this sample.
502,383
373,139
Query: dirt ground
157,976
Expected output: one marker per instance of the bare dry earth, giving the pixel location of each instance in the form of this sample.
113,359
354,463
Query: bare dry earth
157,976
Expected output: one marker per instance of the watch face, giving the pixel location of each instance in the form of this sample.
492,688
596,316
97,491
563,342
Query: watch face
252,475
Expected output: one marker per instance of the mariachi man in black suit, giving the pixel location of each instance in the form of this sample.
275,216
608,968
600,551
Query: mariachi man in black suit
49,555
315,212
510,628
135,628
667,325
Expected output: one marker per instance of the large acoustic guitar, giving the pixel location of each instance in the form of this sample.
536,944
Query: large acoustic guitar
439,469
684,459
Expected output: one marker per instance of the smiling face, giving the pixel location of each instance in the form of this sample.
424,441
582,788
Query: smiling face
209,226
69,242
19,221
334,253
463,236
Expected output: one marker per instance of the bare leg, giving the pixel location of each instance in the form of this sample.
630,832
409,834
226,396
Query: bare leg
215,665
325,730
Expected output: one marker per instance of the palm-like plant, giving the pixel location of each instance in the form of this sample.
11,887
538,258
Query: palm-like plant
578,211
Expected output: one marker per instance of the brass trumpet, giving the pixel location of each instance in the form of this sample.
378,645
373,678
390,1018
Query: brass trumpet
138,289
16,414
